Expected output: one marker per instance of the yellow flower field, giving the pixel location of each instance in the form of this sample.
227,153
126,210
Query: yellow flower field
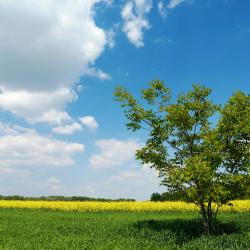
239,206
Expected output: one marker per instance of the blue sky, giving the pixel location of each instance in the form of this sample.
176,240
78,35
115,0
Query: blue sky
61,131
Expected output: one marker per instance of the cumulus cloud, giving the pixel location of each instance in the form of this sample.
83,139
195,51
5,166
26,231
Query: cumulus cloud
26,148
67,129
6,129
135,22
51,116
90,122
13,129
37,106
46,45
113,153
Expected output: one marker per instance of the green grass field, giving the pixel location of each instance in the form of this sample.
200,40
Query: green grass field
44,229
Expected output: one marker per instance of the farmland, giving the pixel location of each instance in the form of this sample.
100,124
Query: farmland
53,228
236,206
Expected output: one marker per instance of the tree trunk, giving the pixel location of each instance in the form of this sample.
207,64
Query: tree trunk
206,220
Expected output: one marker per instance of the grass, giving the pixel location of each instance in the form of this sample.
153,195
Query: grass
46,229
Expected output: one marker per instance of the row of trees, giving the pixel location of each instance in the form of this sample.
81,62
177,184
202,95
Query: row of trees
200,149
60,198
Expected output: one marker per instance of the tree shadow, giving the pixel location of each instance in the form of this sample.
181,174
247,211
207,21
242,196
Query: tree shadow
187,229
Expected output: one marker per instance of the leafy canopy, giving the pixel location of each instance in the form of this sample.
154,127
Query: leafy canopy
200,149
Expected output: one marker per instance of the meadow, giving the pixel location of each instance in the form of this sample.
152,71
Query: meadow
58,227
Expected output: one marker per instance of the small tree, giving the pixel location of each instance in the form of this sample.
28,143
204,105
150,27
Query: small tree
202,156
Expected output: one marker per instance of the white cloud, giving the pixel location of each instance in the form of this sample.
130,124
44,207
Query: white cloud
52,116
26,148
46,45
99,73
113,153
90,122
37,106
174,3
162,9
6,129
134,15
67,129
10,129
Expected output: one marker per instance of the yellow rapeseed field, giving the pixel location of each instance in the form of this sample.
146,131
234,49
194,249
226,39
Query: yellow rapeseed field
239,205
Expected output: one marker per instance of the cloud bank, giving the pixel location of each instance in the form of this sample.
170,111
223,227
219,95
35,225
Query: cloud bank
49,44
21,148
45,47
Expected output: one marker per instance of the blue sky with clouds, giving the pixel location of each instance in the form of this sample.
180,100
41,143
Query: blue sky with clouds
61,131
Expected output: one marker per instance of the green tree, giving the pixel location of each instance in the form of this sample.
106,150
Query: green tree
200,149
166,196
155,197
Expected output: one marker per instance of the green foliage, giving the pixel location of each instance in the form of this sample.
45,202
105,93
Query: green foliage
59,198
205,160
41,229
166,196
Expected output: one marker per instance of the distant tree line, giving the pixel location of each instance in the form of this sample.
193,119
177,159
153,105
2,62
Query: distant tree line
60,198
